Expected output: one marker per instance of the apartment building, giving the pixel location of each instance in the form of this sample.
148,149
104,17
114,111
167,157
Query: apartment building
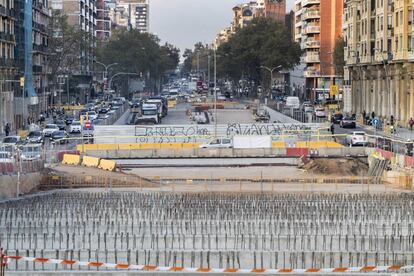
41,34
131,14
82,14
318,25
379,57
8,66
103,21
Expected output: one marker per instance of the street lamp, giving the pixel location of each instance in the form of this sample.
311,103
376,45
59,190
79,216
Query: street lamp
271,70
105,73
119,74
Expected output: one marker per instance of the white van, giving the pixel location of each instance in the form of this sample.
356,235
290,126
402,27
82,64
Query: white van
292,102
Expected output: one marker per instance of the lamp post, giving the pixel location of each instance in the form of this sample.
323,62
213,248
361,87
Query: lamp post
105,74
215,92
271,70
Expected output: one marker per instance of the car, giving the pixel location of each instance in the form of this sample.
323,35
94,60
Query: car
11,140
348,122
320,112
75,127
91,115
110,112
31,152
69,119
104,110
60,124
35,137
59,136
103,116
49,129
6,157
307,107
357,138
218,143
337,118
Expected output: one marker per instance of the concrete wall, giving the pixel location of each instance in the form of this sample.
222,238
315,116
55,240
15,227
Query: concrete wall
214,153
279,117
28,182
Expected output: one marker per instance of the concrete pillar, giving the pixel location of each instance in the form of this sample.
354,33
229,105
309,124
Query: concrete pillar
391,96
385,94
411,80
403,101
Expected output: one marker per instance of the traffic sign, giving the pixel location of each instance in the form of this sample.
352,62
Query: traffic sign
375,121
334,90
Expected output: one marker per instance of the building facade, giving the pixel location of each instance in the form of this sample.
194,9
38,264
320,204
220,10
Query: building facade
82,14
318,25
41,35
131,14
8,64
275,9
380,58
103,21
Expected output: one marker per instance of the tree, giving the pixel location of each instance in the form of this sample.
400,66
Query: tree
197,59
139,53
64,46
338,56
263,43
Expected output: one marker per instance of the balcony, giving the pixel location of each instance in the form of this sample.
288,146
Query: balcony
310,2
311,14
312,44
312,72
37,69
7,37
40,48
312,29
312,58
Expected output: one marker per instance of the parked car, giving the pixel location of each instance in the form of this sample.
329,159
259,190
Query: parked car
358,138
320,112
31,152
11,140
348,122
60,124
59,136
218,143
307,107
337,118
75,127
6,157
35,137
49,129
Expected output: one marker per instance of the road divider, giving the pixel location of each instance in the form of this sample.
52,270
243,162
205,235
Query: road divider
107,165
91,162
71,159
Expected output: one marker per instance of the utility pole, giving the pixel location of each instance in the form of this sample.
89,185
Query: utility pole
215,93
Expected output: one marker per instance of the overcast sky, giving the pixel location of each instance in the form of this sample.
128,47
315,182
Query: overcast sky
185,22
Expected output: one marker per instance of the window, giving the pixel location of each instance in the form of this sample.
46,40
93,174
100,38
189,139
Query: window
410,43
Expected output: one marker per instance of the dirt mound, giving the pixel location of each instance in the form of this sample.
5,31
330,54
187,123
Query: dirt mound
342,167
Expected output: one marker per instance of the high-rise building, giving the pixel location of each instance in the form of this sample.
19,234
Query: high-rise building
103,21
131,14
8,66
275,9
318,25
379,56
81,14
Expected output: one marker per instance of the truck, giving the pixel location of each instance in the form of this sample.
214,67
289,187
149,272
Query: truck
149,114
241,142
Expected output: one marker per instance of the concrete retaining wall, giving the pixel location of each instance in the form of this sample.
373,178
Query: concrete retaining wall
219,153
28,182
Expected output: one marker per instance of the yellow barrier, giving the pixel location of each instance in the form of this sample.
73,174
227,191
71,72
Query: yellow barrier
71,159
70,107
92,162
107,165
318,144
278,144
171,104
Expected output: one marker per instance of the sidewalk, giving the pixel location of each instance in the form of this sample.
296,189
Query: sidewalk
401,133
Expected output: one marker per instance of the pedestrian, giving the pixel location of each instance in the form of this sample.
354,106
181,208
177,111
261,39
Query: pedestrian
373,115
7,129
332,129
411,123
392,120
364,115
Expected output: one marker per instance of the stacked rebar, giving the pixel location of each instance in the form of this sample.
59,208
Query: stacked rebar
210,230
